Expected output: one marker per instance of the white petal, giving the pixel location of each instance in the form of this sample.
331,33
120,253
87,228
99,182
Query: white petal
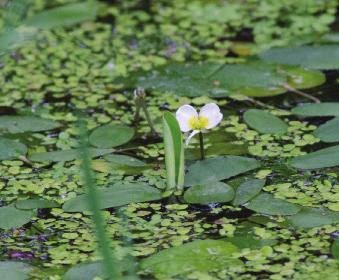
194,132
183,115
211,111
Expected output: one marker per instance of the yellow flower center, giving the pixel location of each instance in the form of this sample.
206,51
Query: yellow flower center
198,123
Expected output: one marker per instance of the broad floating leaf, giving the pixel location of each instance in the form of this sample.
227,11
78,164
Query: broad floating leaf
327,157
85,271
212,193
326,109
265,122
117,195
63,16
248,241
110,167
328,132
313,217
324,57
219,168
111,135
12,217
35,203
250,79
67,155
247,190
267,204
124,160
19,124
174,152
197,256
10,149
11,270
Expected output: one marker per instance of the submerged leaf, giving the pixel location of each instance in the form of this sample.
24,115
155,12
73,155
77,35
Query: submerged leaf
219,168
267,204
265,122
11,270
196,256
37,203
212,193
84,271
124,160
116,195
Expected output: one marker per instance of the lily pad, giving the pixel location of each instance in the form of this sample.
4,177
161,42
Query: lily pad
248,241
197,256
327,157
313,217
328,132
11,270
212,193
37,203
267,204
67,155
326,109
12,217
84,271
19,124
325,57
219,168
265,122
10,149
124,160
247,190
114,196
111,135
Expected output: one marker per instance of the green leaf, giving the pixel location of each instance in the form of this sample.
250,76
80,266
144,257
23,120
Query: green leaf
219,168
67,155
265,122
247,190
197,256
324,57
10,149
12,217
327,157
267,204
111,135
326,109
250,79
19,124
35,203
212,193
10,270
117,195
174,151
111,167
328,132
63,16
84,271
250,242
217,149
313,217
335,248
124,160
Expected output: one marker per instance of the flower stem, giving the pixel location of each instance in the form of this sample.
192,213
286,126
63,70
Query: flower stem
149,120
201,140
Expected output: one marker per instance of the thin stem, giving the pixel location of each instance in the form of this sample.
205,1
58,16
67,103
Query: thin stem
109,262
259,103
303,94
148,118
201,140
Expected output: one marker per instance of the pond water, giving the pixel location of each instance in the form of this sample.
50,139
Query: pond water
261,205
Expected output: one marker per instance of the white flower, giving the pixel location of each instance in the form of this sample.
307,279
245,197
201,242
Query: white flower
189,119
